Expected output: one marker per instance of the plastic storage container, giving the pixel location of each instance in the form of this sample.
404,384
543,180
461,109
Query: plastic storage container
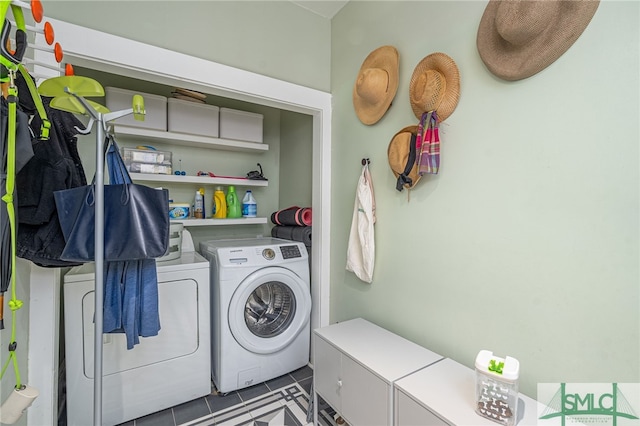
192,117
179,211
234,209
155,107
156,169
240,125
150,156
497,388
249,205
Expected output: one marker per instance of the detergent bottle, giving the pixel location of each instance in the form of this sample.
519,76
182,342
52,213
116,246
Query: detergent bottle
219,204
249,205
234,209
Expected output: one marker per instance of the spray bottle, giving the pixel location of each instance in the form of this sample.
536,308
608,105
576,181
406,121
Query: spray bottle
198,210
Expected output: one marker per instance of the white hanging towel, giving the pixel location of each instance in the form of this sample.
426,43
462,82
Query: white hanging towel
361,249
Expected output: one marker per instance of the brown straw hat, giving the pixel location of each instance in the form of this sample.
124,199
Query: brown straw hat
376,84
517,39
435,85
401,160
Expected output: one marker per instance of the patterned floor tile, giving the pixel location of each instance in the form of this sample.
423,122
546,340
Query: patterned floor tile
286,406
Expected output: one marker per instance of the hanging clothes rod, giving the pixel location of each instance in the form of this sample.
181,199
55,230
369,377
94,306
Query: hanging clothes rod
47,31
56,49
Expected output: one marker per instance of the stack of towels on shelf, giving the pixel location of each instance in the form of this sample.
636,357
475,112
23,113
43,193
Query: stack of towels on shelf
293,223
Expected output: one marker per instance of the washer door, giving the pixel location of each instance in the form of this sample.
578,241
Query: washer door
269,309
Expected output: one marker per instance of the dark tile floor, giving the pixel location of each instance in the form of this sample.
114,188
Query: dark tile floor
244,406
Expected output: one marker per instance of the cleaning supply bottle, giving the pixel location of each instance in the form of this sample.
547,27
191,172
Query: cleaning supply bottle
219,204
198,206
234,209
249,205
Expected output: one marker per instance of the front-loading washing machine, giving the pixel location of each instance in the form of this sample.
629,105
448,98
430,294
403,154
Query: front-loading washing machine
260,309
161,371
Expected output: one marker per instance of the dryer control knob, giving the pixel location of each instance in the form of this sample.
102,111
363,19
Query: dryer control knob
268,254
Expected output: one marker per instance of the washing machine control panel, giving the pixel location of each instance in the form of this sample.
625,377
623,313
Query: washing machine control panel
290,252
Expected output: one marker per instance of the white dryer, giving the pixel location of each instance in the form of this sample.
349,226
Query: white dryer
260,309
161,371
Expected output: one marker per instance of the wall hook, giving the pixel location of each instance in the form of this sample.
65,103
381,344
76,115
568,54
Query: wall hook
365,161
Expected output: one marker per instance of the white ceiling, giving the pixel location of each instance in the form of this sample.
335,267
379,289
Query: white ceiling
326,8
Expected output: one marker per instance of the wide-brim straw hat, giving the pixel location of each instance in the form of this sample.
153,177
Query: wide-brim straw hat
376,84
398,154
517,39
435,86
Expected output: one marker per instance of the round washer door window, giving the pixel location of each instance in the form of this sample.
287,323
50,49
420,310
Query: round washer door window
269,309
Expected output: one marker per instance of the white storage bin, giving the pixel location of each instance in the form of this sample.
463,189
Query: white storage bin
146,156
240,125
154,105
149,168
192,117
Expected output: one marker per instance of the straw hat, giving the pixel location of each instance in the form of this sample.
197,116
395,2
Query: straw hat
376,84
517,39
435,85
399,154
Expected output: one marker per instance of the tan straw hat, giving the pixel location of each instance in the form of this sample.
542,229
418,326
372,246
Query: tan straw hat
402,162
376,84
517,39
435,85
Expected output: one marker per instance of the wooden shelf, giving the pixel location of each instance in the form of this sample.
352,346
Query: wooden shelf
214,222
198,180
151,136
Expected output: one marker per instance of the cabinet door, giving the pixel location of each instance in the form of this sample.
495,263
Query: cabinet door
410,413
366,398
326,374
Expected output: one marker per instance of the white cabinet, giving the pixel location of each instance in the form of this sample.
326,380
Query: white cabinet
444,394
355,365
151,136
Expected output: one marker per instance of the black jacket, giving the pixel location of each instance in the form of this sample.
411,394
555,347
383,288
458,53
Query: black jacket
56,165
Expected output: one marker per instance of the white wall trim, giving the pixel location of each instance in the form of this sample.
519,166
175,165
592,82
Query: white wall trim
44,312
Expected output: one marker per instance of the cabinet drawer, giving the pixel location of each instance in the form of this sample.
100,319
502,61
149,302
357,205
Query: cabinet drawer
365,397
327,372
410,413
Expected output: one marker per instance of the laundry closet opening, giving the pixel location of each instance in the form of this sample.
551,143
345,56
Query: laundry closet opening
287,163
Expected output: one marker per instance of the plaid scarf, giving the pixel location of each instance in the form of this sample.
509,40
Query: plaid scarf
428,144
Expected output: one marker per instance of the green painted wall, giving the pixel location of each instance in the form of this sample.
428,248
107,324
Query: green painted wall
273,38
295,159
526,242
